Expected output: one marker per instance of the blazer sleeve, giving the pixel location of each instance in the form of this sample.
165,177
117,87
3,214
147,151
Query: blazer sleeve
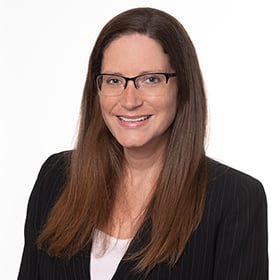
241,251
40,202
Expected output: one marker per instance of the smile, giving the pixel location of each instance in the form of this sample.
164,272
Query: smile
131,119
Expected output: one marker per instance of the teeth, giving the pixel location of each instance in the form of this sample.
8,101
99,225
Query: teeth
124,119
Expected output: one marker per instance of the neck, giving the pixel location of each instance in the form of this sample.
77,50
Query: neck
139,159
141,174
143,166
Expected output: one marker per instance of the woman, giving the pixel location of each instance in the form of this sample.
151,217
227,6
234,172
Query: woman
137,198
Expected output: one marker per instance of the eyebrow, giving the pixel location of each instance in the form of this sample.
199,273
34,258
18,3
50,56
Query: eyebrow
141,73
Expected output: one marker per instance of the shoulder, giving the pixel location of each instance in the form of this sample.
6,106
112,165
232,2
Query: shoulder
49,185
230,187
235,223
224,176
56,163
53,172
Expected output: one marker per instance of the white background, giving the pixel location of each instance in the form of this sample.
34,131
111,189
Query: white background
45,46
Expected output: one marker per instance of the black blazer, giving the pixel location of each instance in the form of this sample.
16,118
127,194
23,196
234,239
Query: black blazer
229,244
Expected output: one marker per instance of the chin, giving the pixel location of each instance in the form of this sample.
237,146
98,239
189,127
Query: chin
132,144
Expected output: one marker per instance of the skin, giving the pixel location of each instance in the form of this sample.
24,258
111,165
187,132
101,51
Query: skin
131,55
143,142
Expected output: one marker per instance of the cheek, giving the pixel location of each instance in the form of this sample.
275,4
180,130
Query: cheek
166,111
105,110
106,106
171,103
171,113
170,108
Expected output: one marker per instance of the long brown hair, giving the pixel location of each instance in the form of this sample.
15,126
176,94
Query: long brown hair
96,164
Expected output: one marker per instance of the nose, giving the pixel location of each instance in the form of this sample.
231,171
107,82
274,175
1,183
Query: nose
130,98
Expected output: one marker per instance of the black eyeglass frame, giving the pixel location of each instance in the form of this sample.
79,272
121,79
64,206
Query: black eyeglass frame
167,77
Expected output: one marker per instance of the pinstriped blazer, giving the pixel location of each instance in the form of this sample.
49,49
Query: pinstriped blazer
229,244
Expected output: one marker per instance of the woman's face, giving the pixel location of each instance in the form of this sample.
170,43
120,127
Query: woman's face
138,120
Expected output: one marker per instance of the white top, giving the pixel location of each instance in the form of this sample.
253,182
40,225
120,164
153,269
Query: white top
104,266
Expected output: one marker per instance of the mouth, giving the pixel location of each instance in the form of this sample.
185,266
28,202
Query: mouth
134,119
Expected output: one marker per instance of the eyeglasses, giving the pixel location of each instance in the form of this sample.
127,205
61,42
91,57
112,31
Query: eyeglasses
147,84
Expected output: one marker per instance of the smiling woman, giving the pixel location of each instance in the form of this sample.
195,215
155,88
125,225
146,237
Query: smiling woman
138,198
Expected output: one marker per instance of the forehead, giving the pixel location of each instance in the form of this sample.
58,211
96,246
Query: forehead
133,54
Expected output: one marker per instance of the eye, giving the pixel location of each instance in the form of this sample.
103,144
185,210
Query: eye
114,81
151,79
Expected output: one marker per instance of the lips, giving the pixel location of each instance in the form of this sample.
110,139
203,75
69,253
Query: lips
134,119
